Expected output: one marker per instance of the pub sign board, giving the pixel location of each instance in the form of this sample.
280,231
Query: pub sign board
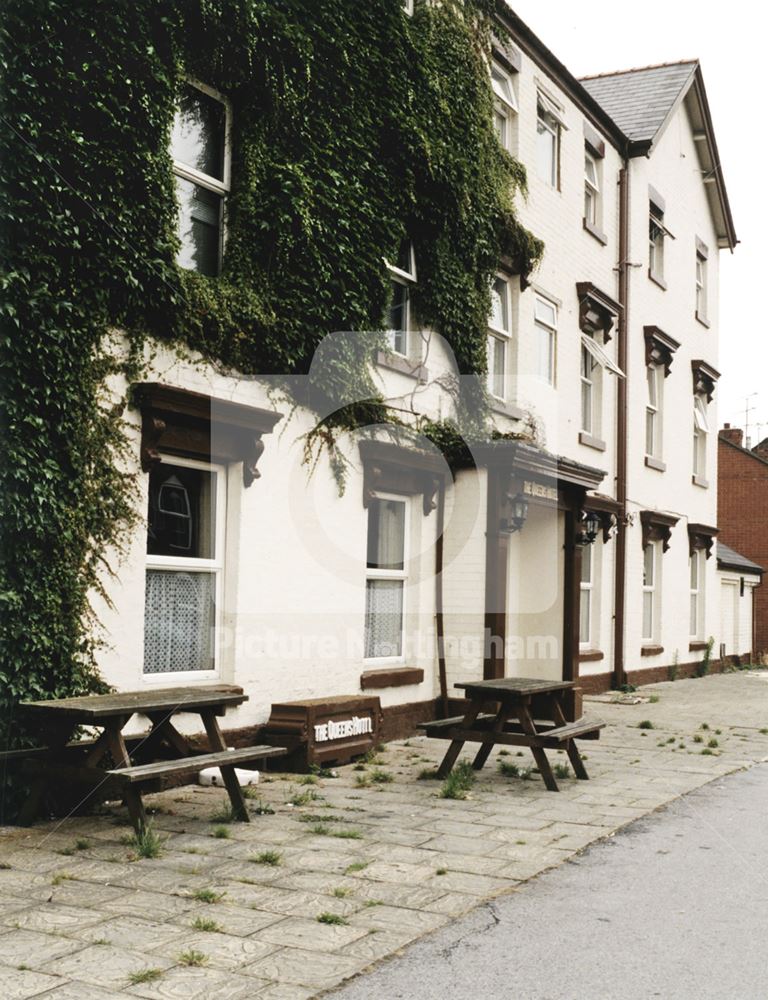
321,731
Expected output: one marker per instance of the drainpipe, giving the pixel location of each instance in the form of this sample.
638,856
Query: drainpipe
619,676
439,624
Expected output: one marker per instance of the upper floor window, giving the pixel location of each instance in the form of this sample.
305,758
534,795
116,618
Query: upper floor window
594,361
658,237
201,165
504,105
403,277
700,433
545,315
548,132
386,576
702,256
591,190
499,330
653,410
408,6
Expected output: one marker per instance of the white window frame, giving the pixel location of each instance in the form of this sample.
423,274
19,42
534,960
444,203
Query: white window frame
504,103
697,591
586,597
656,245
650,594
654,409
181,564
408,280
701,285
591,189
408,7
195,176
700,435
590,394
544,329
499,335
549,119
391,574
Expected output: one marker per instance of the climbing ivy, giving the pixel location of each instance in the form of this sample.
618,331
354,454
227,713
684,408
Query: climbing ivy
354,126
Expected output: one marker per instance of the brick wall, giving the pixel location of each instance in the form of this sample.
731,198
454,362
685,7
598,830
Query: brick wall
743,516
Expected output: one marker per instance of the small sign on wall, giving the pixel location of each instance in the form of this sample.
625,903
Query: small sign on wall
324,730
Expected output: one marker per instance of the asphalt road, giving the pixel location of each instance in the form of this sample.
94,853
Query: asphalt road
675,907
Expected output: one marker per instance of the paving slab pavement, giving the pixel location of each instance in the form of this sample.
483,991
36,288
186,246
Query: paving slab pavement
231,910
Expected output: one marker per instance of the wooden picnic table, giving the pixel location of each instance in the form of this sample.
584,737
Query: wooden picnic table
530,713
140,763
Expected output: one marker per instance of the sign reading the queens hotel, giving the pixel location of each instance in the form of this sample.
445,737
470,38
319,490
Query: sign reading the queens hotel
331,730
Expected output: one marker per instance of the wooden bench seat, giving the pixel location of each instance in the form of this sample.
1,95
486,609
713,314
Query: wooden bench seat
146,773
132,781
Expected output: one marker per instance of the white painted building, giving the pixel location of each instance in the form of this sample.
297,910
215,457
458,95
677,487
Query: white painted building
578,550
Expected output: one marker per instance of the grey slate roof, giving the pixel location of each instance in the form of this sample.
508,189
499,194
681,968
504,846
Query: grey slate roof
727,558
639,100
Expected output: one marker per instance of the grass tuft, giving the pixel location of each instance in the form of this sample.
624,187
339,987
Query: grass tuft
645,724
508,769
427,774
144,976
273,858
203,924
561,771
207,896
458,782
221,833
347,834
356,866
332,918
379,777
146,843
192,957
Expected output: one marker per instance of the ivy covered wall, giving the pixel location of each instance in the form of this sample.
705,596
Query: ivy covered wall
353,126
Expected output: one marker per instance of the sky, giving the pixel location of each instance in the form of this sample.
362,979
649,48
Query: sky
730,43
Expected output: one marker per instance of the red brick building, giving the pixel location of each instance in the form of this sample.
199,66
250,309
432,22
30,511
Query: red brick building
742,482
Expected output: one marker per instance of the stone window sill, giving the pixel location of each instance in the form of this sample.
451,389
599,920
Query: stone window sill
700,481
591,442
651,650
392,677
590,655
697,645
396,363
657,280
703,320
593,230
655,463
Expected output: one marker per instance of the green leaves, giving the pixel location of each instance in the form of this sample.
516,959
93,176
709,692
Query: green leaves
354,126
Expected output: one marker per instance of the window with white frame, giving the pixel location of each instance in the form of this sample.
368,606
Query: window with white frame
590,392
386,575
591,189
408,6
499,330
656,233
650,590
697,568
700,432
403,277
701,284
548,130
545,326
586,599
504,105
201,165
594,360
653,410
184,564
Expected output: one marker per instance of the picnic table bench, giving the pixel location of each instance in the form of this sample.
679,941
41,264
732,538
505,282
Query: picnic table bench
138,763
515,723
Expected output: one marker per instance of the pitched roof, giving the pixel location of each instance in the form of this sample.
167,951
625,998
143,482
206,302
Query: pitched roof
640,100
727,558
643,101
